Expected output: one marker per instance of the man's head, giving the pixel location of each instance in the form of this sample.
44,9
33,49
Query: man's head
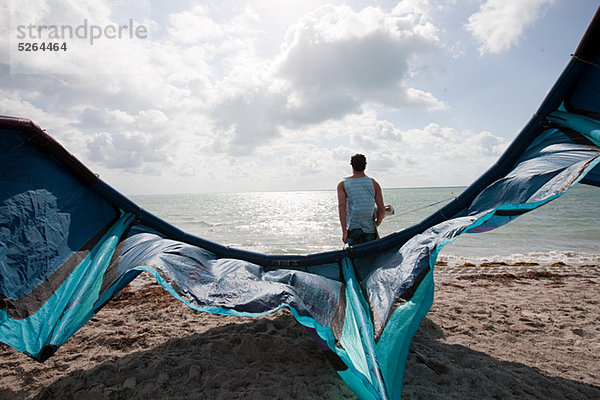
358,162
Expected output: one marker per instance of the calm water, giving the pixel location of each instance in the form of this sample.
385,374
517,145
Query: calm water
567,229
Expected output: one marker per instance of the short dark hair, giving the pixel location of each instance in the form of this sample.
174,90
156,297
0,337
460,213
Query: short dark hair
358,162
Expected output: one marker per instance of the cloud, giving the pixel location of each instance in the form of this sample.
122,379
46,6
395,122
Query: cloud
333,62
416,8
130,150
100,36
211,110
420,156
364,57
116,139
197,26
431,155
127,118
499,24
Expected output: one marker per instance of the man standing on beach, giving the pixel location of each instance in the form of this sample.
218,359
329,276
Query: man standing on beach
357,197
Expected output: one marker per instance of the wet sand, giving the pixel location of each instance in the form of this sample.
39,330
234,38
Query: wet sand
494,331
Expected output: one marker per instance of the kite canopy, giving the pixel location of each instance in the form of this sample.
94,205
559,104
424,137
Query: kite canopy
69,243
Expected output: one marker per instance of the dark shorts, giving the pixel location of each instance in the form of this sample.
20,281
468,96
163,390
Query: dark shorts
356,236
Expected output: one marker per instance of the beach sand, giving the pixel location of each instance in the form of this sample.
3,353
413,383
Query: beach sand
494,331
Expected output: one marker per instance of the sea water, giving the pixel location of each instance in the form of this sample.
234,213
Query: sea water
564,230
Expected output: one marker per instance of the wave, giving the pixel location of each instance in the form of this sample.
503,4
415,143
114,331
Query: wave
541,258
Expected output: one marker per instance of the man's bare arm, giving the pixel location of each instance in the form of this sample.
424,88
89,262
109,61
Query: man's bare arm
379,203
341,192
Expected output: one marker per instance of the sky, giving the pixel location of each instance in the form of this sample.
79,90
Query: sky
266,95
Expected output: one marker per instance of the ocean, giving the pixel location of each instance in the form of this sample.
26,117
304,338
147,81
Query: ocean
565,230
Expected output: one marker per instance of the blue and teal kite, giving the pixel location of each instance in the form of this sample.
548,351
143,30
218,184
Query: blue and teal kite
69,243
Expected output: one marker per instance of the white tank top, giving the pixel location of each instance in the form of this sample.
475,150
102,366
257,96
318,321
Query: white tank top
360,203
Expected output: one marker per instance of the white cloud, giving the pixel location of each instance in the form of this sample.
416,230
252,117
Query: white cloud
131,150
333,62
499,24
204,99
421,156
194,26
418,8
361,57
431,155
82,26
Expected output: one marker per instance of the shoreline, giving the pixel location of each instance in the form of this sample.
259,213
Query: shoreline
537,259
518,264
495,331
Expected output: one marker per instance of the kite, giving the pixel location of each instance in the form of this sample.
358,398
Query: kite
69,243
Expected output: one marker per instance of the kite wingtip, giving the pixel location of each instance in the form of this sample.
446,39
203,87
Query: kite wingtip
45,353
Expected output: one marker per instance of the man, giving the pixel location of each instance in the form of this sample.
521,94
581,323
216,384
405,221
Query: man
357,197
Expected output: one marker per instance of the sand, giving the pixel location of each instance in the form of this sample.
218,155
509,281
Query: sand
494,331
